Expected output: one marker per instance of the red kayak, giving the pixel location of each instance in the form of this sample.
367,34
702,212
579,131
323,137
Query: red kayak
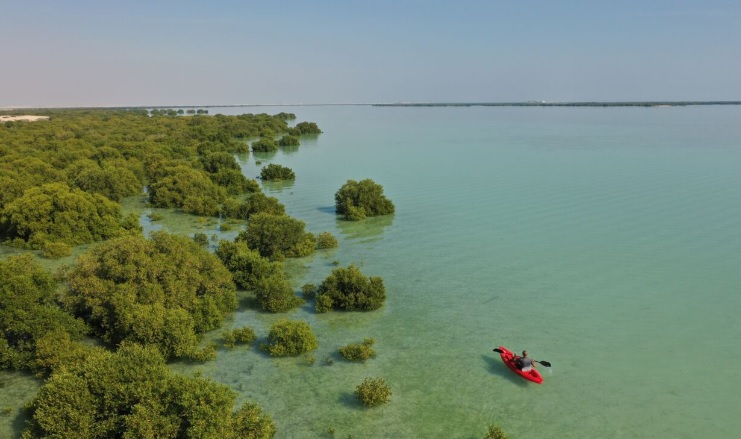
509,359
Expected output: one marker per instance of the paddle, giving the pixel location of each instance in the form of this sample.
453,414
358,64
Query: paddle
544,363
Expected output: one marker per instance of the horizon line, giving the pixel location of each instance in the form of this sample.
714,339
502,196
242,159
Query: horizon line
532,103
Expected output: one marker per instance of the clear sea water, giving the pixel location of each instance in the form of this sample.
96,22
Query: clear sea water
606,241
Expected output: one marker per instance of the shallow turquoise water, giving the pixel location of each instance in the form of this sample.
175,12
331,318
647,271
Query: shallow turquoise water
605,241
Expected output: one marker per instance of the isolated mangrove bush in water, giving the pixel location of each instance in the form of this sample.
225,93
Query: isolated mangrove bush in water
290,337
495,432
303,128
350,290
273,172
373,391
359,351
358,200
243,335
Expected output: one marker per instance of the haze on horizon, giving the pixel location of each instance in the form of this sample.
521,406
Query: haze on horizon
136,53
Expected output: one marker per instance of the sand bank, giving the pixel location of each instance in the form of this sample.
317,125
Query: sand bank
28,118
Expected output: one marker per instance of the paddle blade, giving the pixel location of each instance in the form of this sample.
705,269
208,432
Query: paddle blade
545,363
497,350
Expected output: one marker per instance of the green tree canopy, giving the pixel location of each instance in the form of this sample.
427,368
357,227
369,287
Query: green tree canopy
29,312
113,182
276,172
235,182
216,161
277,236
162,291
357,200
246,265
265,144
257,273
189,189
350,290
302,128
290,337
274,293
289,140
256,202
133,394
54,212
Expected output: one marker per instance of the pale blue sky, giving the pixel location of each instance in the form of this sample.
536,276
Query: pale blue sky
166,52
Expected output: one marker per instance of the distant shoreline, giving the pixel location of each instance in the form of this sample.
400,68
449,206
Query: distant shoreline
563,104
410,104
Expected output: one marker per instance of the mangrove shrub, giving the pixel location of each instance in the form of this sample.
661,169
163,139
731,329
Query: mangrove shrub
326,240
276,172
348,289
29,313
290,337
277,236
243,335
359,351
265,144
246,265
162,291
373,391
495,432
55,213
302,128
274,293
358,200
133,394
288,140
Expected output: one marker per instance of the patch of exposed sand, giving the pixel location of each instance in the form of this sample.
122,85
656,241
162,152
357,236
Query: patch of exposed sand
28,118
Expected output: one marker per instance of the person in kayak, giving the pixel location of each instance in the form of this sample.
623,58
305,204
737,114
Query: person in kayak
524,363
